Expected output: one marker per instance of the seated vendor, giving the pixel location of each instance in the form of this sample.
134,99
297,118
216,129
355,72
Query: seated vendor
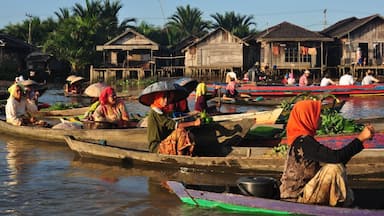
111,109
17,110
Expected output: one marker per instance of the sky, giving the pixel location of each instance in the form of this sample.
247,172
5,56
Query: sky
308,14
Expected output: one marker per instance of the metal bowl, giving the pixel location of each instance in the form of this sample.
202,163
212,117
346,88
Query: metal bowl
261,186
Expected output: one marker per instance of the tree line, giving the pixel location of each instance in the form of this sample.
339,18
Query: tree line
74,32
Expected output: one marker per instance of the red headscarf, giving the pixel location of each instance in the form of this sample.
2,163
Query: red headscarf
108,91
303,119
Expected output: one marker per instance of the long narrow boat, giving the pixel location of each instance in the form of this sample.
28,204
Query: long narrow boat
256,205
226,132
262,117
224,159
279,91
65,112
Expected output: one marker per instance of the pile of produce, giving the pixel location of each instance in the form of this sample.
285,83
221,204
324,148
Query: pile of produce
62,106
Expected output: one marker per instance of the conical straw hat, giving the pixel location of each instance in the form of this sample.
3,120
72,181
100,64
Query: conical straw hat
70,78
95,89
77,79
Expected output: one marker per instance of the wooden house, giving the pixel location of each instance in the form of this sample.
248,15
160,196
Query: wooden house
129,55
286,46
13,52
358,44
215,54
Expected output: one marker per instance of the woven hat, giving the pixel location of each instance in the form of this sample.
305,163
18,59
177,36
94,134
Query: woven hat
176,93
188,83
77,79
95,89
70,78
28,82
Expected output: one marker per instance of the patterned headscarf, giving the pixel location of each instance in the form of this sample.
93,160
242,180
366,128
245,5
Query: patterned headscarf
303,119
108,91
201,89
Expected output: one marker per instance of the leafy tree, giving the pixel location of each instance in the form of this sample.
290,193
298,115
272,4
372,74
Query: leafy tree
39,30
78,33
156,34
238,25
185,22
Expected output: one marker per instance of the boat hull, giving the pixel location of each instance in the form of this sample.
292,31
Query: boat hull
282,91
256,205
227,159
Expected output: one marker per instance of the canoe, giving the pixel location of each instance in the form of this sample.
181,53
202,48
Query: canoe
268,136
65,112
249,101
250,204
225,158
262,117
137,136
283,91
227,132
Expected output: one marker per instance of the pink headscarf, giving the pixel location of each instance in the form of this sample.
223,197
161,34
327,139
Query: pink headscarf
108,91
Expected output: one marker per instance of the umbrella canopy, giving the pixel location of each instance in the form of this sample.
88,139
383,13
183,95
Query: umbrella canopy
70,78
29,83
188,83
176,93
77,79
95,89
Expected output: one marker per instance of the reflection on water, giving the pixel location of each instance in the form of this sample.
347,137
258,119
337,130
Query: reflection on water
40,178
363,107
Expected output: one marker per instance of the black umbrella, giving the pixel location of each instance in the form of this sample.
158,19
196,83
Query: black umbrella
175,93
188,83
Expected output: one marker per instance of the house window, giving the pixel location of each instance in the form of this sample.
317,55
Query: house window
292,52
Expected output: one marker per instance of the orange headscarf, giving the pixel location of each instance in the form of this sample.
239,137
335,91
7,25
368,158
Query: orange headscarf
158,101
303,119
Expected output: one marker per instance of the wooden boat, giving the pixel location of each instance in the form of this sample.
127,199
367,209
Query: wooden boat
268,136
283,91
262,117
227,132
65,112
256,205
224,158
137,136
246,101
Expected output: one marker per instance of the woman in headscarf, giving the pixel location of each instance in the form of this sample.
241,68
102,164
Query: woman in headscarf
201,99
303,179
164,134
111,109
17,110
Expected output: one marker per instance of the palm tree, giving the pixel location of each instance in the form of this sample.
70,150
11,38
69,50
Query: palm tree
237,24
185,22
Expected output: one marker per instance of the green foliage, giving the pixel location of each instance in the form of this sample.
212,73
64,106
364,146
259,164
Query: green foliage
62,106
334,123
281,149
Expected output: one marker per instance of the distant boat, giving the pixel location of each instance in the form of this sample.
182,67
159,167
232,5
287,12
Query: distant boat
280,91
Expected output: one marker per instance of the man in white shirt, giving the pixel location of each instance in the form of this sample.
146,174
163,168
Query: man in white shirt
369,79
346,79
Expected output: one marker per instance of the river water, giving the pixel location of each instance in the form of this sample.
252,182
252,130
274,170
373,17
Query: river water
40,178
